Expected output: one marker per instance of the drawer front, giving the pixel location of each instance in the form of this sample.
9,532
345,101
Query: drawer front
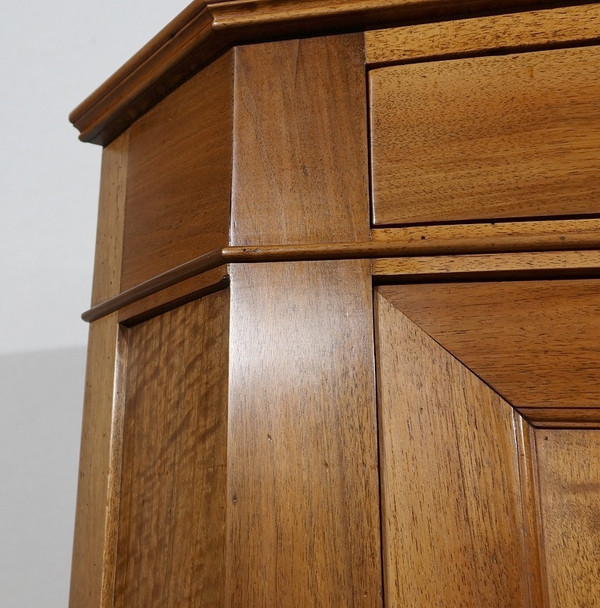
513,136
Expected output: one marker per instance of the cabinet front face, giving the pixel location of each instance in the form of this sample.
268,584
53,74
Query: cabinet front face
337,379
479,506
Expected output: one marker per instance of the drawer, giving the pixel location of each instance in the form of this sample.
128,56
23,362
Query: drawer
513,136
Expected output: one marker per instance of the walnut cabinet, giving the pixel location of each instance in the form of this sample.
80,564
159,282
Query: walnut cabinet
345,325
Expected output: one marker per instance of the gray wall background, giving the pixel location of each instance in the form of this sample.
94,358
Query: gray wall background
53,53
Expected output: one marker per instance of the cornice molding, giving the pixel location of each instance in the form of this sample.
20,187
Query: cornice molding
205,30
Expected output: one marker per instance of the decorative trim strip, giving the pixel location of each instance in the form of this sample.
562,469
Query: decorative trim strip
205,30
514,266
578,235
562,418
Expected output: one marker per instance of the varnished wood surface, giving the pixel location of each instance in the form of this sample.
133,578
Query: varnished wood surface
111,217
94,546
554,417
303,516
172,518
534,342
452,500
569,479
410,241
488,137
207,262
300,151
174,296
179,177
502,236
204,30
518,31
537,265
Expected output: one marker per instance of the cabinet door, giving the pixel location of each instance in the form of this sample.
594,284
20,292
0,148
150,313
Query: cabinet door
489,451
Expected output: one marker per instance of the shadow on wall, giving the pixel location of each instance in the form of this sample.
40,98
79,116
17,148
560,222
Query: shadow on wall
41,396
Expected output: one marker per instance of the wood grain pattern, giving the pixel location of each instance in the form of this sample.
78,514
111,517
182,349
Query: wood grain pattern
517,31
537,265
92,573
300,165
94,546
172,297
172,520
534,342
555,417
179,177
570,502
488,137
531,235
111,218
303,518
532,515
204,30
452,500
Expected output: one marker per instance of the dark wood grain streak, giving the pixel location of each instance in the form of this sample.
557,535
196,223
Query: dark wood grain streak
172,518
303,517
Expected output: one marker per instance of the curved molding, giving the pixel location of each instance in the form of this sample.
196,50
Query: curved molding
435,247
205,30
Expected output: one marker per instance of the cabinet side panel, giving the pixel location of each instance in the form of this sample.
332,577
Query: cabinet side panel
569,481
171,542
91,574
303,517
452,503
111,216
179,176
300,150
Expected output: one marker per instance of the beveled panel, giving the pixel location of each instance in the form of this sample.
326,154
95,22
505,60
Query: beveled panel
452,497
534,342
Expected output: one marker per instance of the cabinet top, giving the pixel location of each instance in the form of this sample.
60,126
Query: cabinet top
208,28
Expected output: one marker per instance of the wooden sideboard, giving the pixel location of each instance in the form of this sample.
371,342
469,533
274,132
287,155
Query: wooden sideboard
345,325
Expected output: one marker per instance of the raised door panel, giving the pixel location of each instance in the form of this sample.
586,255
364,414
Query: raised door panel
458,460
453,501
534,342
